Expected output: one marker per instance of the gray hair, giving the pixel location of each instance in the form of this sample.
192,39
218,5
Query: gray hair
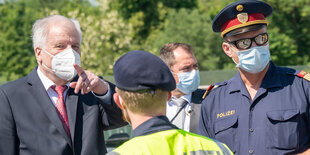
40,29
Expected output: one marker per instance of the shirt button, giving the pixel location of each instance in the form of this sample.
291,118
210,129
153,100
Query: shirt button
251,129
251,151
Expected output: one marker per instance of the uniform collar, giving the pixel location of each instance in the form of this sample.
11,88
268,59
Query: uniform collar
155,124
271,80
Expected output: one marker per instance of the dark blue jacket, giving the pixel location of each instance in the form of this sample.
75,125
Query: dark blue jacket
29,123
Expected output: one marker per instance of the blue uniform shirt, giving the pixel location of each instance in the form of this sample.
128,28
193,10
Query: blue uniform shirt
276,121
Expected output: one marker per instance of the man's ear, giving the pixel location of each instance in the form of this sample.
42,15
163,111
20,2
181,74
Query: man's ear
117,99
38,52
227,49
175,75
169,96
176,78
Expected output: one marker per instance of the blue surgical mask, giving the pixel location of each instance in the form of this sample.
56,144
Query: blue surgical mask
188,81
254,60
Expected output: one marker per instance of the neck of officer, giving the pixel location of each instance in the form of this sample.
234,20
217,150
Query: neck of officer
138,119
253,81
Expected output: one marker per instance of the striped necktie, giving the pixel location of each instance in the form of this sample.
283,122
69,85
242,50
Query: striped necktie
180,115
61,107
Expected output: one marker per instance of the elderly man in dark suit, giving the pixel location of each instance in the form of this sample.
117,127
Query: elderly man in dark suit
183,110
52,111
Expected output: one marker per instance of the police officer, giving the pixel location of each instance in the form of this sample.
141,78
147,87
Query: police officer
143,84
264,109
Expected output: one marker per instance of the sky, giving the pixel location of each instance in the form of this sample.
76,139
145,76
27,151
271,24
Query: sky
93,2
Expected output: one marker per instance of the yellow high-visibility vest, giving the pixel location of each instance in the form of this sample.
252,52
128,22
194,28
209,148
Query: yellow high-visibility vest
172,142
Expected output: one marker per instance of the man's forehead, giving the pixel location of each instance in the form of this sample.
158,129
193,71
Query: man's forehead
180,63
181,52
66,25
62,30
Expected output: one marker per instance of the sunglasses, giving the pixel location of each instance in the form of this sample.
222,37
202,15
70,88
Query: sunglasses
246,43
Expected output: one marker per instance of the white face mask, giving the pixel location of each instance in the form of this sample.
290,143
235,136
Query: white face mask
62,63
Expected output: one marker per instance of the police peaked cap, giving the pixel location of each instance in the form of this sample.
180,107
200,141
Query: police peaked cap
140,70
241,14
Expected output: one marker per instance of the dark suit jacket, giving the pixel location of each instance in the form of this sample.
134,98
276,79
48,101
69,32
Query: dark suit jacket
29,124
195,113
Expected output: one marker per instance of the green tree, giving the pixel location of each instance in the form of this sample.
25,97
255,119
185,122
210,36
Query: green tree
189,26
16,54
105,38
105,35
289,32
117,26
148,12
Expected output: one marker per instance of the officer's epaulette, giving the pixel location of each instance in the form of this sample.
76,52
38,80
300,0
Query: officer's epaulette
211,87
304,75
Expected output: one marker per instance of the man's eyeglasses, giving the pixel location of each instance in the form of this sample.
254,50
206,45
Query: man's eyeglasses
246,43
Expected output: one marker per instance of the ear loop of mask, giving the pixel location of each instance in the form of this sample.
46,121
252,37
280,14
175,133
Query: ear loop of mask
44,64
176,75
125,115
234,52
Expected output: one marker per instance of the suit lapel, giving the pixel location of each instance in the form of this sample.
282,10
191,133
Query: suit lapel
40,95
195,107
71,105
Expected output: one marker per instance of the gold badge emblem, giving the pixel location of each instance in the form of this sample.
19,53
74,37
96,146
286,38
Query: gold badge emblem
239,8
242,17
303,73
307,77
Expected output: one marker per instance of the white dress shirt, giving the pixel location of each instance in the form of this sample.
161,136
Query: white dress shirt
172,110
47,83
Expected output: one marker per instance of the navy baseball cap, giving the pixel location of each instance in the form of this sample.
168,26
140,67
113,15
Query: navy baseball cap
140,70
240,14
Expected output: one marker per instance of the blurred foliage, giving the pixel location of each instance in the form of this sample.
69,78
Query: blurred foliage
105,37
16,54
189,26
149,12
289,31
114,27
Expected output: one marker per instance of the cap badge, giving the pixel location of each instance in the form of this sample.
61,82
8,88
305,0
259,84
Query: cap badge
239,7
242,17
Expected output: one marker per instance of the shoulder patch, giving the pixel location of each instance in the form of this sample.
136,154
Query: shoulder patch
211,87
304,75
